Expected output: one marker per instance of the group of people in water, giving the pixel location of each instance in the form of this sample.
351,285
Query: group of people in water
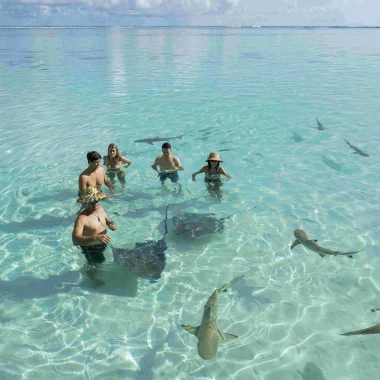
90,227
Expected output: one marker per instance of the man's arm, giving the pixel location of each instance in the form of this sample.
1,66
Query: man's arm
77,235
82,183
79,239
177,163
108,183
110,223
154,166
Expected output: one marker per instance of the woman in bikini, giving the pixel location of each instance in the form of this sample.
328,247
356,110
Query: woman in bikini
213,174
113,161
213,170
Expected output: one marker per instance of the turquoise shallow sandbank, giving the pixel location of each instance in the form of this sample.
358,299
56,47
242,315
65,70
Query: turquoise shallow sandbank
253,95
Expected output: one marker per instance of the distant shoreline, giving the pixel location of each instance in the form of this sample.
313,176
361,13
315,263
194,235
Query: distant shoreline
192,27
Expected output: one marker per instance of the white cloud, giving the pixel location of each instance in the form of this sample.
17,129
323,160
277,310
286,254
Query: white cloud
193,12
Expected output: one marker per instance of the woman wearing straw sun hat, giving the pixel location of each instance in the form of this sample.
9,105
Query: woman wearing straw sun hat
213,171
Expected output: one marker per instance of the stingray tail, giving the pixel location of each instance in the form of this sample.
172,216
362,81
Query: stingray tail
240,212
166,220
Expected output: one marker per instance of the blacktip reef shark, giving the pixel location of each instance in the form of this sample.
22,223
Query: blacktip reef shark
356,149
369,330
302,238
208,333
156,139
320,127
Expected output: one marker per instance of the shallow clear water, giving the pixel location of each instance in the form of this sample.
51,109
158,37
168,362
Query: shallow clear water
250,94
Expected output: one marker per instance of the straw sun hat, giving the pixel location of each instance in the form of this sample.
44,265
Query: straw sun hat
91,194
214,156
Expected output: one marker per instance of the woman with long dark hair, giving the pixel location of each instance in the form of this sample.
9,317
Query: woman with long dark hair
213,172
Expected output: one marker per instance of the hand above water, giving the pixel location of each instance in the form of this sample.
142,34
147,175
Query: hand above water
103,238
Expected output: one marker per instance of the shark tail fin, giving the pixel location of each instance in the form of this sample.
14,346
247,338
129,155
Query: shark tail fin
225,336
351,253
229,284
295,243
191,329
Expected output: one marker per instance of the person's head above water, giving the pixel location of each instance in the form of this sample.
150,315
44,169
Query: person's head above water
113,151
166,149
214,157
93,156
213,160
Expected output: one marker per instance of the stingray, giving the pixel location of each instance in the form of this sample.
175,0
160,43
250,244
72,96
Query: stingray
146,259
191,226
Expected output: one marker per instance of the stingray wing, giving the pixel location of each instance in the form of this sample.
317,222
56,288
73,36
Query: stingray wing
145,260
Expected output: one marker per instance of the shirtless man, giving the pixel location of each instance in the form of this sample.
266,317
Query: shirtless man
90,230
94,175
169,165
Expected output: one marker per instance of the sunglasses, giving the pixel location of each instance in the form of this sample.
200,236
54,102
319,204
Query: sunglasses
213,161
93,202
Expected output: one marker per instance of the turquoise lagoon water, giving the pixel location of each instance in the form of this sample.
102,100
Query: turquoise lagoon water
249,94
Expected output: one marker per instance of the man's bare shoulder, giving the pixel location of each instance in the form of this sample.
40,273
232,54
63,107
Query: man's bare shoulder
100,169
81,217
83,174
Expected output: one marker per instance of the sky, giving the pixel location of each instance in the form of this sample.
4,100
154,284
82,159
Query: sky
189,12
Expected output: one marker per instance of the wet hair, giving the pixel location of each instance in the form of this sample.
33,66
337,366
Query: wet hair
166,146
93,156
110,147
216,167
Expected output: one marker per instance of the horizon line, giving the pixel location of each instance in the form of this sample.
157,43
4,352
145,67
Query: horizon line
192,26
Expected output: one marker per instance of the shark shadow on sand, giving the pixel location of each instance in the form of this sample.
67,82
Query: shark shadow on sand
46,222
115,280
147,259
311,372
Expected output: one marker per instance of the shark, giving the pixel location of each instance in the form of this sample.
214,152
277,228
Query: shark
356,149
302,238
369,330
146,259
320,127
150,141
208,333
297,137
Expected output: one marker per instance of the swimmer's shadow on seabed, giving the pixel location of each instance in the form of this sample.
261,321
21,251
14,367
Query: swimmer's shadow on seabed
115,280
